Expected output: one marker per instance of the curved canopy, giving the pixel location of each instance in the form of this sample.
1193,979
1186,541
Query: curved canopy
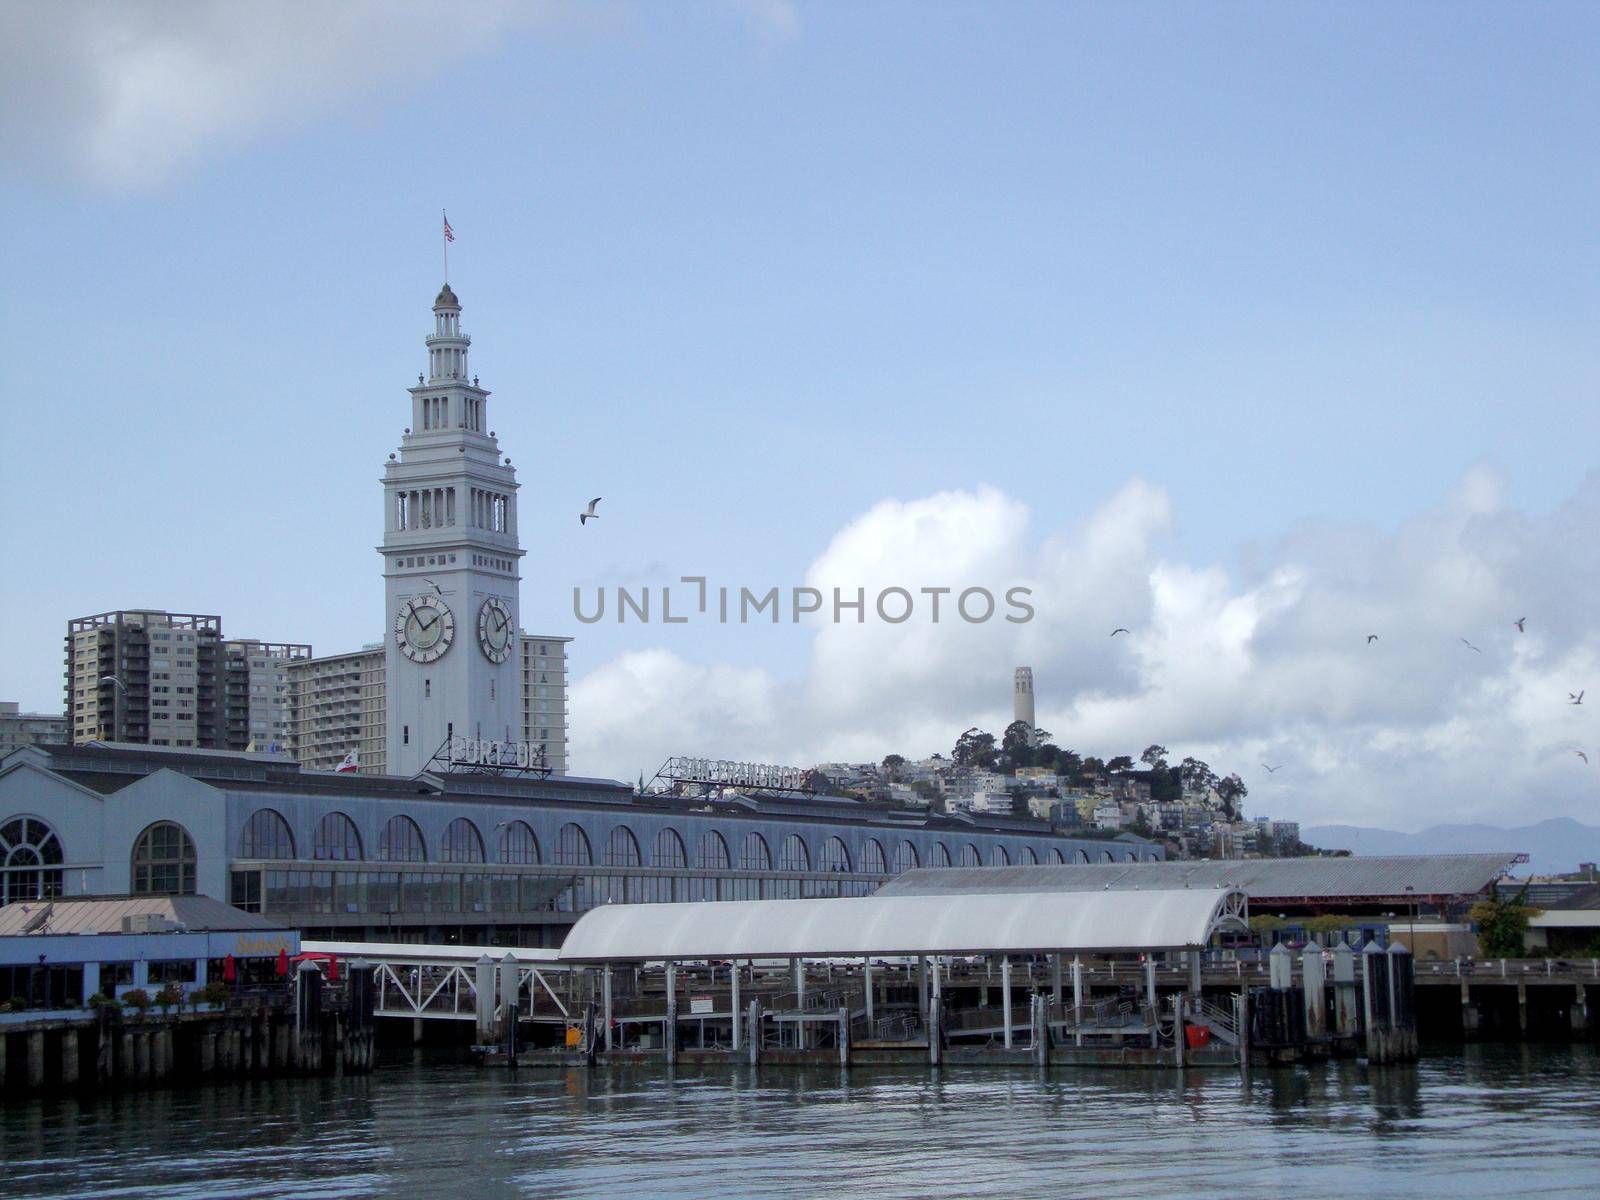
1076,922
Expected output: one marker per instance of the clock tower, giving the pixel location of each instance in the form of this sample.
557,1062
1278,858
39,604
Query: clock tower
450,564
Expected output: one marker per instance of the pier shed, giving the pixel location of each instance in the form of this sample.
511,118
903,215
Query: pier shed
892,969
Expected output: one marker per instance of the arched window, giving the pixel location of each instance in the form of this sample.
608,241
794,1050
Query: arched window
462,843
266,835
336,839
164,861
795,857
941,855
622,848
754,854
1057,857
1130,856
1105,856
518,845
401,841
872,860
712,852
1081,856
969,856
905,857
572,847
1029,858
669,851
834,856
1000,858
31,852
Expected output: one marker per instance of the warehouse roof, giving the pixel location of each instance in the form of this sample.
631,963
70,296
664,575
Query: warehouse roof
103,914
1267,880
1088,922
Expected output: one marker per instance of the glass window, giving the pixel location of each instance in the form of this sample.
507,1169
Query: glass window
1060,858
1029,858
622,848
401,841
1000,857
572,847
872,860
712,852
795,856
754,855
336,839
462,843
518,845
669,851
969,856
31,851
164,861
905,857
834,856
266,835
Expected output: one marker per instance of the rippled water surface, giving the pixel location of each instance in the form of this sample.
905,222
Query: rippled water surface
1487,1121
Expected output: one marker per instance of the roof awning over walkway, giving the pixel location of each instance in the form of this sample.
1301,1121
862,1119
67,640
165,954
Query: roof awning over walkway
1019,923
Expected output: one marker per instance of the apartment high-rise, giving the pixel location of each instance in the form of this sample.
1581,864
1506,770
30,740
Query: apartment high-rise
336,706
170,679
544,696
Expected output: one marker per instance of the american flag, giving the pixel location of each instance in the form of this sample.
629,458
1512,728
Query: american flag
449,234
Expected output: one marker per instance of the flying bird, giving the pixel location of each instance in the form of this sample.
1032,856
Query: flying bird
1117,630
1575,699
1271,770
583,517
113,679
1469,645
1371,637
431,584
1519,623
1583,756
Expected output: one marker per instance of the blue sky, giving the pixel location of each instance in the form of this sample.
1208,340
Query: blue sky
749,270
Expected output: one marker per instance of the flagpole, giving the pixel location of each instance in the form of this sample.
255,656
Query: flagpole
445,241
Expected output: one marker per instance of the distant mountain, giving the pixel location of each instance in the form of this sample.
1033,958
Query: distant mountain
1556,845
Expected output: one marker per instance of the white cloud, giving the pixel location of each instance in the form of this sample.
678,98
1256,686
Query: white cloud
1267,661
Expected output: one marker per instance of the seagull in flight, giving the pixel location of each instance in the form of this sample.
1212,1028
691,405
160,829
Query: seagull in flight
1575,699
1469,645
1371,637
113,679
1583,756
1117,630
583,517
1273,770
1519,623
432,584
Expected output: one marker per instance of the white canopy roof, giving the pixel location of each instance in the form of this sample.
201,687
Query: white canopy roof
1076,922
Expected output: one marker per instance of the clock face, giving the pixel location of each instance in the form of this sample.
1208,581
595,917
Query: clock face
494,630
424,628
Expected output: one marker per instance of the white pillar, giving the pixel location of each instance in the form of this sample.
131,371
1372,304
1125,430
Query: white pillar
483,999
1055,977
1077,998
733,1002
1150,982
800,1002
605,1002
866,980
1005,997
922,987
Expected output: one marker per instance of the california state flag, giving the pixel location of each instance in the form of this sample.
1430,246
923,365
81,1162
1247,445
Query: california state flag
350,762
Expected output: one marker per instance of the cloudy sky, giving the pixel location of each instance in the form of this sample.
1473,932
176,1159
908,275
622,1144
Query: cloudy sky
1253,330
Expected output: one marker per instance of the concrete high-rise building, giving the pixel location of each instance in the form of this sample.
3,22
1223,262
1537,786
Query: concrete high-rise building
18,728
544,696
258,690
337,705
451,564
1022,698
142,675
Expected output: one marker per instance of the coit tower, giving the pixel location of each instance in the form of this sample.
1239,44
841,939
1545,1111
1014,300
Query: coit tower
450,563
1022,698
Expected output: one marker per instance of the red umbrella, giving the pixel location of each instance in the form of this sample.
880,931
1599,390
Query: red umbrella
333,969
230,971
283,963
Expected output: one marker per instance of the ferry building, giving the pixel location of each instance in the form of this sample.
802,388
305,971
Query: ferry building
428,851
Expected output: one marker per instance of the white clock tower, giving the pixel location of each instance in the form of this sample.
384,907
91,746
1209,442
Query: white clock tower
450,564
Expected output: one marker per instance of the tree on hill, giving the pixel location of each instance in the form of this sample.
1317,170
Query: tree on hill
1120,763
1231,791
1196,775
892,764
974,748
1017,745
1154,757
